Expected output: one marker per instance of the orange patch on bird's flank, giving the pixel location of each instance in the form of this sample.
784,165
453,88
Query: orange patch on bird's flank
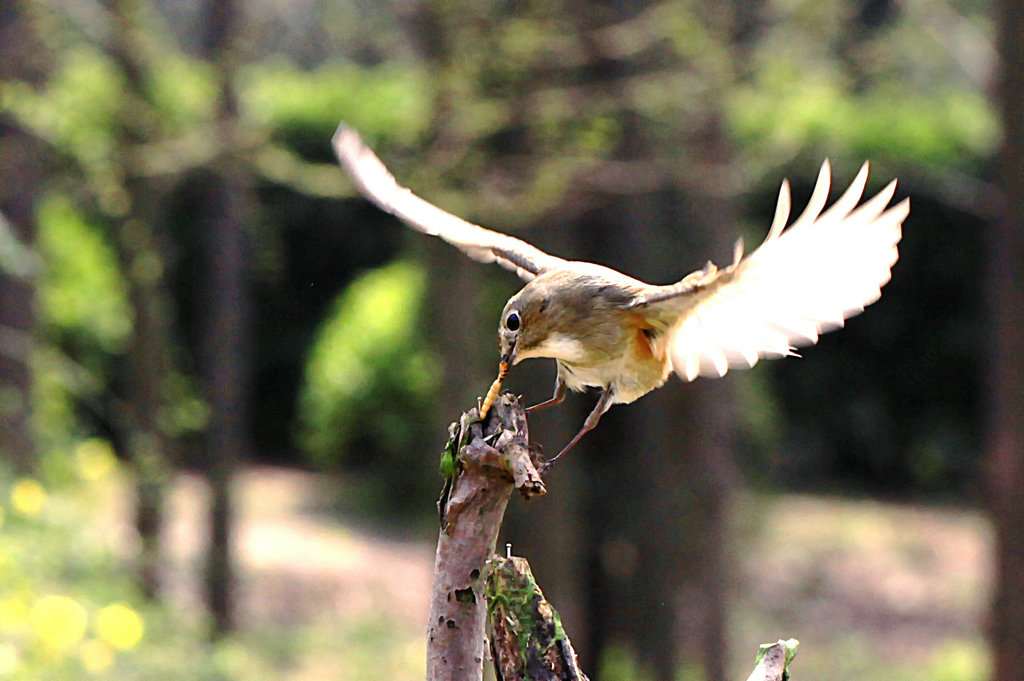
642,339
492,392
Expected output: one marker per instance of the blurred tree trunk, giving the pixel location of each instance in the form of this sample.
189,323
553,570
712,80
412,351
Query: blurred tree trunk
549,529
673,448
457,331
227,338
21,176
142,252
17,293
226,372
676,448
705,415
1006,380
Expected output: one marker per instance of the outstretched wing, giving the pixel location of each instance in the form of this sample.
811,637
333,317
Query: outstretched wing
801,282
378,185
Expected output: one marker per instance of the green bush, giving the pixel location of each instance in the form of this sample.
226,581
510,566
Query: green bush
369,385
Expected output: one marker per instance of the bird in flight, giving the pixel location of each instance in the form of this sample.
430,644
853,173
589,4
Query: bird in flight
612,332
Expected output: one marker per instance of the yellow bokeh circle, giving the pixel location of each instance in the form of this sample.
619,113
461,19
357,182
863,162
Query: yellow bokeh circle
120,626
94,458
96,655
59,622
28,496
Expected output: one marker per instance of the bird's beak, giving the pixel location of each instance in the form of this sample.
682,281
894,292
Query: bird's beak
509,358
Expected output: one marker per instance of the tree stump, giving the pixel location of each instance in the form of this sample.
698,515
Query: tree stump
527,638
483,463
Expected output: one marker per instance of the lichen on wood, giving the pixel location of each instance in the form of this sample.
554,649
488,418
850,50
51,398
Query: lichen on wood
527,638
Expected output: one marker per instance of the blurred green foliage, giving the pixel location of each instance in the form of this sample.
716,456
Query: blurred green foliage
369,386
77,108
182,91
69,609
944,128
299,105
85,317
82,291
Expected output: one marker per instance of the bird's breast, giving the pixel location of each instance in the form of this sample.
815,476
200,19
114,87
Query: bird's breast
637,365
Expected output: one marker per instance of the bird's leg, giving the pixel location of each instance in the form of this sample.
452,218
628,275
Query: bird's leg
603,404
557,398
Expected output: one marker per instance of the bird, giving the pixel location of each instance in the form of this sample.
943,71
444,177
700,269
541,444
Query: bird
625,337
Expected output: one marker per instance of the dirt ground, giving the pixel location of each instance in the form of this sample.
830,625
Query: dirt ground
872,590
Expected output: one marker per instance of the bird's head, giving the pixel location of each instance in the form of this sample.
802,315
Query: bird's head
525,325
552,316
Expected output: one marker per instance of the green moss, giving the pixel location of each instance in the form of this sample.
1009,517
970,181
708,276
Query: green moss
447,467
512,588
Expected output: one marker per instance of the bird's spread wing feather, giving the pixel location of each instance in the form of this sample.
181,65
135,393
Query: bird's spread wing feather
802,281
372,178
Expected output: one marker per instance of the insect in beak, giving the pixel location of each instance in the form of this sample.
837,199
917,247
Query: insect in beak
492,393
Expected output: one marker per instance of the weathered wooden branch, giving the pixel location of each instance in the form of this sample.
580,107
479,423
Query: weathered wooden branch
527,638
483,463
529,643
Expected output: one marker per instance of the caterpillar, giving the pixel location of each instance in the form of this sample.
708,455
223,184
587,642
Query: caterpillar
492,392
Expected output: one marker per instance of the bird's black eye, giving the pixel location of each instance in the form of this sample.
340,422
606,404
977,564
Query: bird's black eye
512,321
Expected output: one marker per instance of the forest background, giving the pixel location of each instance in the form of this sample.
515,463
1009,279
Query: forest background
225,379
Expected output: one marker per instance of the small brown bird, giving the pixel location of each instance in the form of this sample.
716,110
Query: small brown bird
609,331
